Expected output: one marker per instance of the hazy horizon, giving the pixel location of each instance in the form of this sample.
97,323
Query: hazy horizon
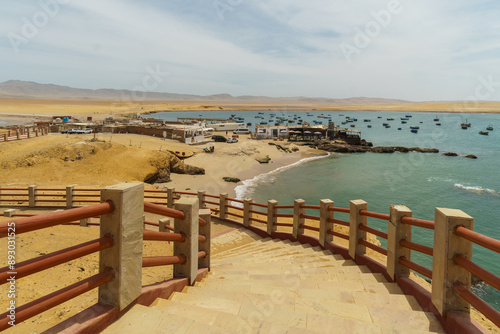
415,51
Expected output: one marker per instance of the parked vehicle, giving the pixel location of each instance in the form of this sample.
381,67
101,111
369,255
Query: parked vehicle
241,131
232,140
77,131
218,138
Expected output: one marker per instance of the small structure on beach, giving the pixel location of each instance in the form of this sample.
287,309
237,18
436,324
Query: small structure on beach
306,132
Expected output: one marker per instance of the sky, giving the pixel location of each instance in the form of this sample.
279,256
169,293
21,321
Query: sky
400,49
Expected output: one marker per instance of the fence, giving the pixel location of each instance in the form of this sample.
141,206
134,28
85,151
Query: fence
450,297
21,133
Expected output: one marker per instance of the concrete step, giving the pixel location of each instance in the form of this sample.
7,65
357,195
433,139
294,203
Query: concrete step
269,249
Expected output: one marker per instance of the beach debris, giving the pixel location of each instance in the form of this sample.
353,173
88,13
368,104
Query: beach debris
264,160
231,179
451,154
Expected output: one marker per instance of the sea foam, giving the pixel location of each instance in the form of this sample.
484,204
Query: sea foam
476,189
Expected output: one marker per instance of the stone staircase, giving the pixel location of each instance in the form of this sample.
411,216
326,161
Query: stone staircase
270,286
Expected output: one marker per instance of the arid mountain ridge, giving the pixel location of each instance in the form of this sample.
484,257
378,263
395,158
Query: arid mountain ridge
17,89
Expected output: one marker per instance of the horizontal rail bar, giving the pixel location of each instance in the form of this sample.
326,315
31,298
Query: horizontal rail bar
416,247
50,189
258,204
477,238
283,215
86,195
13,200
229,199
309,217
483,307
157,197
157,261
202,255
47,261
339,222
202,238
234,207
213,203
91,189
45,303
184,193
376,215
50,195
14,195
416,267
376,248
156,191
258,220
428,224
473,268
338,234
312,207
258,212
52,201
151,223
15,189
162,211
284,224
45,220
311,228
211,196
284,206
86,201
335,209
149,235
234,214
378,233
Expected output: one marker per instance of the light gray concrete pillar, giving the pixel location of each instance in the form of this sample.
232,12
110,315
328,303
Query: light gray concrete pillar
324,225
170,197
69,196
246,212
271,216
84,222
354,232
9,213
398,231
124,225
298,211
189,227
444,272
222,206
205,231
201,198
164,222
32,196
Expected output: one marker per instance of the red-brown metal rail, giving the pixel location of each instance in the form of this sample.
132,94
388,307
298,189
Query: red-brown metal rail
416,247
416,267
185,193
340,235
258,220
283,215
335,209
309,217
376,248
211,196
234,207
483,307
487,242
339,222
156,261
284,206
284,224
45,303
40,263
45,220
473,268
376,215
378,233
162,236
258,204
311,207
311,228
428,224
163,211
229,199
258,212
234,215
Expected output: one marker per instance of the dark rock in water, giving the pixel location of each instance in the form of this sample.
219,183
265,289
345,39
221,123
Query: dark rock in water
451,154
424,150
231,179
368,147
471,156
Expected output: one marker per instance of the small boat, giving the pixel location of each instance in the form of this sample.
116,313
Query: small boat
399,128
464,127
387,126
436,119
439,124
408,116
353,125
467,125
369,126
390,119
367,120
379,116
404,122
414,127
261,113
344,122
404,118
489,128
249,123
485,133
414,130
263,123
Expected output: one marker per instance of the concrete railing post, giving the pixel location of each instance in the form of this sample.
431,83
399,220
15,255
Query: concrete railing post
354,232
324,224
444,272
18,134
222,205
32,196
84,222
124,225
69,196
201,198
246,212
5,137
0,192
164,222
271,216
398,231
170,197
189,227
298,221
205,230
9,213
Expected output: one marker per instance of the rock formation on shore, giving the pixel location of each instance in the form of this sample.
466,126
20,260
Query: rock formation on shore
342,147
168,163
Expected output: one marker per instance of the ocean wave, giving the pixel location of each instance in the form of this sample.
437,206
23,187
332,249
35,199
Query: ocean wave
243,191
440,179
476,189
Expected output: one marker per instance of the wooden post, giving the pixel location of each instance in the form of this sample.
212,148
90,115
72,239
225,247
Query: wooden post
298,211
398,231
32,196
444,272
271,216
201,198
206,214
164,222
189,248
354,232
170,197
324,224
124,225
246,212
69,196
222,205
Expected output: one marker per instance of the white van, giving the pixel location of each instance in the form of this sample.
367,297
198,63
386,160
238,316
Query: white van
241,131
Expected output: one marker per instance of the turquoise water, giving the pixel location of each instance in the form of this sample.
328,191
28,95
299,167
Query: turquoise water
419,181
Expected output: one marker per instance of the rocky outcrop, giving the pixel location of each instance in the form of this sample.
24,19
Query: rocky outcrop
231,179
168,163
471,156
347,148
451,154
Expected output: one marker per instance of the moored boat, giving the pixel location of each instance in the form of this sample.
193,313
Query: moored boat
489,128
414,130
485,133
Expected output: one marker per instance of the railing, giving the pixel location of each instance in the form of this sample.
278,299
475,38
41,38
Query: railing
22,133
319,225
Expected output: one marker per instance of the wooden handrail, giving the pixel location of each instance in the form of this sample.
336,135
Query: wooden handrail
477,238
